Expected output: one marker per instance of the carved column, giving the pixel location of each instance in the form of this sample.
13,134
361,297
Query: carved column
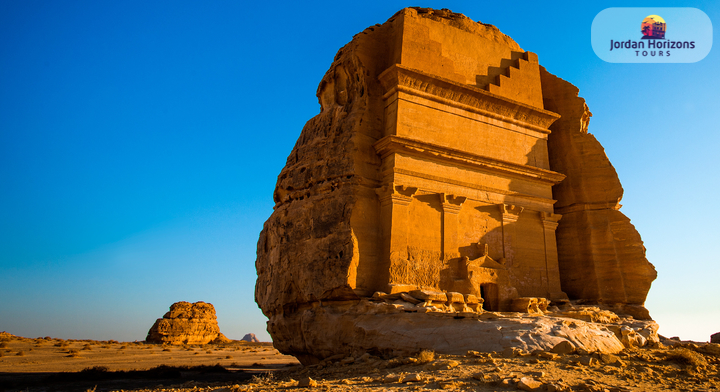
451,206
510,215
394,202
550,224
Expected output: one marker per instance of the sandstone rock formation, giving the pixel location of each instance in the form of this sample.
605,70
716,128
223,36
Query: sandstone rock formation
250,337
187,323
715,338
434,180
601,255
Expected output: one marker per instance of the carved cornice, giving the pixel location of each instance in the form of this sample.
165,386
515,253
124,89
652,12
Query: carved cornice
466,97
588,207
392,144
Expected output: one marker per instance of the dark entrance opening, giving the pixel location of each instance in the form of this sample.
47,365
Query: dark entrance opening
489,293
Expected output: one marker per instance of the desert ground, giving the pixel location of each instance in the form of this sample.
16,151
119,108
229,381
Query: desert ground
47,364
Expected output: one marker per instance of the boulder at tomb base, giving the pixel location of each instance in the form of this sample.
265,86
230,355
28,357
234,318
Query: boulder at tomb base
187,323
435,164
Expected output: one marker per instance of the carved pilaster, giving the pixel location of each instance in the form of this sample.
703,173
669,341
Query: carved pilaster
394,201
451,206
510,215
552,270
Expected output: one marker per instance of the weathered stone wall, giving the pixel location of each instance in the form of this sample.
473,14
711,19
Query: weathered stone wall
326,206
601,255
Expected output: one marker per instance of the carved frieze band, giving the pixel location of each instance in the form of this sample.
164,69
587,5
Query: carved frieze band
477,187
466,97
393,144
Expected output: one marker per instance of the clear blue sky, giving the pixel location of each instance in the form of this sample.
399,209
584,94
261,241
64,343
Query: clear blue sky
140,144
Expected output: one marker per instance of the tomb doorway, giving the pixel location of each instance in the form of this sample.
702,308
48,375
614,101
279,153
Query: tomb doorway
489,294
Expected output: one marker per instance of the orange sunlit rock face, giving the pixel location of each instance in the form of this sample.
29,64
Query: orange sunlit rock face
187,323
434,167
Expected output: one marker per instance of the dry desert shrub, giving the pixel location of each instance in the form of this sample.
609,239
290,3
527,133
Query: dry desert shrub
3,344
228,357
123,347
87,347
426,356
20,353
167,349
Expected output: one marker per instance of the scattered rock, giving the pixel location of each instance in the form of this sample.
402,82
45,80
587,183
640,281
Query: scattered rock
307,382
588,361
391,378
512,352
547,355
529,384
564,347
412,377
443,364
609,359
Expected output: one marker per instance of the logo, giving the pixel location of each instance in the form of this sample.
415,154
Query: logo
615,36
653,27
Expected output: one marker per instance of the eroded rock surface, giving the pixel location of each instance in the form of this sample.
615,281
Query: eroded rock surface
187,323
388,328
600,253
446,161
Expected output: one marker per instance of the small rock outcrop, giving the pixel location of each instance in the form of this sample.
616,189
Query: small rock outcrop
715,338
250,338
187,323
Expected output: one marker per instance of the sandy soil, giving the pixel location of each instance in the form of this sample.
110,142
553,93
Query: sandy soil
29,363
673,366
55,355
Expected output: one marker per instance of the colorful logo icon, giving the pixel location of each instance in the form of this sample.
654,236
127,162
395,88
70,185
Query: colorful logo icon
653,27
